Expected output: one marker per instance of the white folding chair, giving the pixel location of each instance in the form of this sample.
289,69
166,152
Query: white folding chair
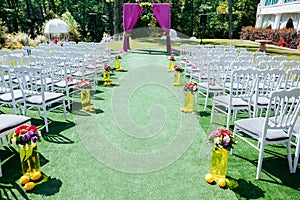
296,134
241,87
212,79
36,96
268,81
276,128
9,94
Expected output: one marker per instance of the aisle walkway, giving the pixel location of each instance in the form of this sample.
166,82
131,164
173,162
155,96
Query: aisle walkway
138,145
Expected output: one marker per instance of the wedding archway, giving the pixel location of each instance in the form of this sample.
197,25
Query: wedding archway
133,11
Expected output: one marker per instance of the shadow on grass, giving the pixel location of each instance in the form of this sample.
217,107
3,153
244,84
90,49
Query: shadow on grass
244,189
276,167
55,129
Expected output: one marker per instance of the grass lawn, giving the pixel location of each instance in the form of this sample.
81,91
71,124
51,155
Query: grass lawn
138,145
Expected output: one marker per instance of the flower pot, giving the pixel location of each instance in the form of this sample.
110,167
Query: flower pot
30,161
171,66
188,102
218,163
176,79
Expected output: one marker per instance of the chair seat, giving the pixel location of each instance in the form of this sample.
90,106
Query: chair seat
8,98
204,85
8,121
62,84
224,99
261,101
49,96
255,126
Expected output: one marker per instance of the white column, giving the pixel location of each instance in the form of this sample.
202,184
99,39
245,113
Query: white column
277,21
298,28
259,20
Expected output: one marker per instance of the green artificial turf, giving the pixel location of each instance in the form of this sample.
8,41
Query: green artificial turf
138,145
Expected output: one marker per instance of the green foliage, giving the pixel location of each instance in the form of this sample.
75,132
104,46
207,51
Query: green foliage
17,40
73,26
290,35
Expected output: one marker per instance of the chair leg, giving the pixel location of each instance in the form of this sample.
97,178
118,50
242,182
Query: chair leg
45,118
206,100
296,154
289,156
233,135
65,113
68,99
260,160
212,112
234,115
228,118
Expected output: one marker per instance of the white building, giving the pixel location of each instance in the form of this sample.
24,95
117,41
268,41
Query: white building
278,14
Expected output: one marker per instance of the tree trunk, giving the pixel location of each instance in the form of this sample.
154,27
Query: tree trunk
230,27
117,17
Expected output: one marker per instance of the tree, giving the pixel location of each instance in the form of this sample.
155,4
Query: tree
73,26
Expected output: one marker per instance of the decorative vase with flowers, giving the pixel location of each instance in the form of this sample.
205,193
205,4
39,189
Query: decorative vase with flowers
190,89
85,93
26,137
178,70
222,141
171,63
118,63
106,75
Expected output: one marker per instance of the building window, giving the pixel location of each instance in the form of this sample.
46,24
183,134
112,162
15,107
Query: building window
271,2
288,1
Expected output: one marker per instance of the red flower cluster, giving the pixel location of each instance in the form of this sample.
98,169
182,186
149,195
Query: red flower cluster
24,129
172,58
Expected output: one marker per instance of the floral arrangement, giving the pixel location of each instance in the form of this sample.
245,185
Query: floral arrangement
84,84
190,87
107,67
172,58
222,138
178,68
118,57
24,134
146,5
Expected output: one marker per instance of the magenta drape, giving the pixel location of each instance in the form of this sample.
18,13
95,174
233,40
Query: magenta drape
133,11
131,14
161,12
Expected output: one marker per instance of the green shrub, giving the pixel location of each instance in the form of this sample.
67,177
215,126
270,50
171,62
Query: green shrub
291,36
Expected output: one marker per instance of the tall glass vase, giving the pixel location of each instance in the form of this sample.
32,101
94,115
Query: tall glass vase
106,77
30,161
188,103
176,79
171,66
118,64
218,163
85,98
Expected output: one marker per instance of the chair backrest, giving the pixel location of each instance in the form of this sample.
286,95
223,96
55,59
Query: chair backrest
269,81
235,65
242,83
283,110
279,58
292,78
268,65
5,80
27,78
286,65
